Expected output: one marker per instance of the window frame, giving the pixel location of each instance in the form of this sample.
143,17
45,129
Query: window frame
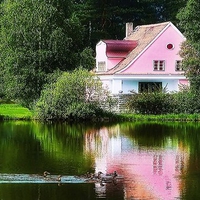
101,68
178,65
158,65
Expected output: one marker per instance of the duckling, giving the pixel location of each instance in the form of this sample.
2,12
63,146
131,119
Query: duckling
115,174
46,173
59,178
88,175
99,174
101,183
108,177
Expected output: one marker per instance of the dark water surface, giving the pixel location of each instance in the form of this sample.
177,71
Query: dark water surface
157,160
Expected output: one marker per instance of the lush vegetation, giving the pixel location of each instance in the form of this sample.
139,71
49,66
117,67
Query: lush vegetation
162,102
189,21
76,95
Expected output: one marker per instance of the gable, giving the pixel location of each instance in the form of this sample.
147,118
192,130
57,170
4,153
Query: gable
146,36
165,47
110,52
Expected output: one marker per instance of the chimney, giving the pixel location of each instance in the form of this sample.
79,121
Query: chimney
129,28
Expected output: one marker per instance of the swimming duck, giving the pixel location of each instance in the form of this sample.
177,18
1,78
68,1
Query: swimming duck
115,174
108,177
59,178
99,174
46,173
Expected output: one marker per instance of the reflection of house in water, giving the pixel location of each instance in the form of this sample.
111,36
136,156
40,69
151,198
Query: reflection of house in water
148,173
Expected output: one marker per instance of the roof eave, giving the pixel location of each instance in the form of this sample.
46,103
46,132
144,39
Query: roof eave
146,48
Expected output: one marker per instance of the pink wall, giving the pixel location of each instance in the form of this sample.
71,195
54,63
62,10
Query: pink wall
159,51
112,62
101,56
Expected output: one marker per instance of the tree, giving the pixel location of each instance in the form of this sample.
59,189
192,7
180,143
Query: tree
36,38
75,95
87,59
106,19
189,17
189,21
166,10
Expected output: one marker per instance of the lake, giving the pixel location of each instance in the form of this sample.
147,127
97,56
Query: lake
155,160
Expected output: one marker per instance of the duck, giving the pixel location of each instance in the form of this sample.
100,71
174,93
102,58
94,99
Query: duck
115,174
108,177
59,178
93,175
46,173
88,175
98,175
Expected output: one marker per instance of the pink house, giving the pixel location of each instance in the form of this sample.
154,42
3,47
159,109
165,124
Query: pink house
147,57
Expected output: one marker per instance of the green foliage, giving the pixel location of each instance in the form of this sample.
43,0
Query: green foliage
189,18
106,19
150,103
75,95
190,64
186,101
158,103
167,10
87,60
36,38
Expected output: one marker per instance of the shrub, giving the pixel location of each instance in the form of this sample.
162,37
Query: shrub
76,95
157,102
186,101
161,102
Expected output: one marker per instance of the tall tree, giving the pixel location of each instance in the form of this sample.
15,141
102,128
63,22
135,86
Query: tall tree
166,10
36,38
189,17
106,19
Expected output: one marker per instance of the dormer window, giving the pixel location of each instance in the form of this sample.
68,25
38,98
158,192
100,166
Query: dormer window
158,65
178,65
101,66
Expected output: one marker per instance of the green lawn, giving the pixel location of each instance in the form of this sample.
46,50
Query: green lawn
14,111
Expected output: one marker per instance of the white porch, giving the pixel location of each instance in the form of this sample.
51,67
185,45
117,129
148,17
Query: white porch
127,84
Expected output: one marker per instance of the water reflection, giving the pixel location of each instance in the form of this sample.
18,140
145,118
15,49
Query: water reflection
157,160
149,173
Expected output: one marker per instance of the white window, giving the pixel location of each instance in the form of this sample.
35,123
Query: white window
158,65
101,66
178,65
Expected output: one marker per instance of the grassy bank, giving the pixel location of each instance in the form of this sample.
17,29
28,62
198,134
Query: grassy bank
17,112
14,111
168,117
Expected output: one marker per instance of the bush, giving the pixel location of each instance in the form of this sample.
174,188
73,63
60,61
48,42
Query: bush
151,103
186,101
76,95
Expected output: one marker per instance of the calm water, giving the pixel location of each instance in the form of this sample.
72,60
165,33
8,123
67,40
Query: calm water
157,160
